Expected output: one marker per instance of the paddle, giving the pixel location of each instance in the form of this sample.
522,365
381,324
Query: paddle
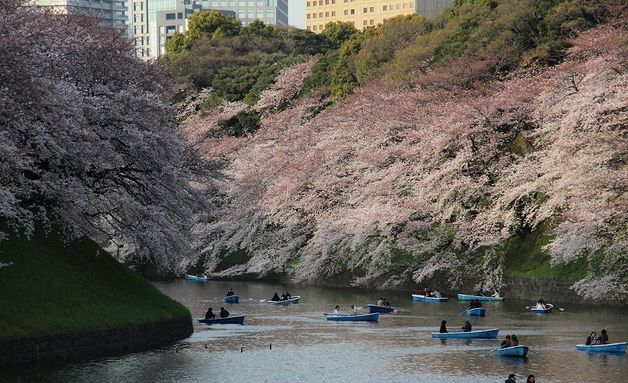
534,352
493,350
463,311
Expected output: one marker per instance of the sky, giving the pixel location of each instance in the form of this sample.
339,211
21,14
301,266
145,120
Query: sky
296,13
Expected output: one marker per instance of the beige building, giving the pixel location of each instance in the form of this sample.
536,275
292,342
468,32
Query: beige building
362,13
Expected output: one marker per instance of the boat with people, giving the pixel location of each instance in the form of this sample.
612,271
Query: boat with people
196,278
238,319
372,317
467,297
490,333
294,300
380,309
545,309
423,298
475,311
231,299
515,351
619,347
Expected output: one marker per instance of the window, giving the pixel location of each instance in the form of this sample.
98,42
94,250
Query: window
309,28
308,16
365,10
346,12
326,14
372,9
314,3
364,22
333,13
313,15
353,11
320,15
180,15
170,16
315,27
371,22
308,4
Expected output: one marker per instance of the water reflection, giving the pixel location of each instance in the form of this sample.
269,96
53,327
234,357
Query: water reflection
296,344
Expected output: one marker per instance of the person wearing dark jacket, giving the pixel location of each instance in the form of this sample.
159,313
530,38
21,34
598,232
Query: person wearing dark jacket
443,327
210,314
275,298
286,295
506,342
475,304
230,292
591,339
467,326
223,313
603,338
511,379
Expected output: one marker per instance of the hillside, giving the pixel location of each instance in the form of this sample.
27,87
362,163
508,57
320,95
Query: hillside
470,168
50,288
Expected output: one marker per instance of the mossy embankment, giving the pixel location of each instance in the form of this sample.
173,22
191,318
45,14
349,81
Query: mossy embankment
51,288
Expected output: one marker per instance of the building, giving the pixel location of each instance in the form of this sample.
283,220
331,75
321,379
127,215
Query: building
366,13
431,8
112,12
153,22
269,11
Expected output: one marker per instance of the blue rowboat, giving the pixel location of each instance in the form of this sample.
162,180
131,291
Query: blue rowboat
423,298
373,317
516,351
466,297
195,278
548,309
294,299
477,312
380,309
238,319
484,334
611,347
232,299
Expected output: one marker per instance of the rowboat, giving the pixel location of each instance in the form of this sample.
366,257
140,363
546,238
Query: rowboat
423,298
485,334
232,299
294,299
548,309
517,351
466,297
195,278
476,311
238,319
611,347
380,309
372,317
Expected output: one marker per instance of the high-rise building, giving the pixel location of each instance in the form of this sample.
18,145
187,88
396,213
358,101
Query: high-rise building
366,13
112,12
153,22
269,11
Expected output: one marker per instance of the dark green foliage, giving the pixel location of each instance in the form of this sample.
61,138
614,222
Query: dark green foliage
51,287
319,78
211,24
243,123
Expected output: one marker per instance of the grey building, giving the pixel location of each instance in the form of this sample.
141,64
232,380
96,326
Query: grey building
112,12
431,8
268,11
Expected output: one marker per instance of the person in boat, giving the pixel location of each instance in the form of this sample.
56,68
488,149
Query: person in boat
511,379
443,327
223,313
354,310
592,339
467,326
337,310
514,341
386,303
286,295
603,338
275,297
530,379
506,342
497,294
427,293
437,294
210,314
540,304
230,292
380,302
475,304
479,293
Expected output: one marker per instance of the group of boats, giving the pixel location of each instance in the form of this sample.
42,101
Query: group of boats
375,311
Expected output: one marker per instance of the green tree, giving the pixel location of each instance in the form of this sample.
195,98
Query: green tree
338,32
212,25
177,44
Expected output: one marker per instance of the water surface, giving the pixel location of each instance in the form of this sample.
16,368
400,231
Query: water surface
296,344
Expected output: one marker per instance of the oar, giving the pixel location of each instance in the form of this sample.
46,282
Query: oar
534,352
493,350
463,311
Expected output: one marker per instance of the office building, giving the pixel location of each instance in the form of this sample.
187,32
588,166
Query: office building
269,11
366,13
112,12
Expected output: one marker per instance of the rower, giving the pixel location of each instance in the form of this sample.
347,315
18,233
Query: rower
285,296
210,314
592,339
443,327
603,338
467,326
380,302
337,310
223,313
437,294
506,342
230,292
275,297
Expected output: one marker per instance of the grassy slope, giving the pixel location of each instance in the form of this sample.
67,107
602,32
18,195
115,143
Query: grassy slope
50,288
